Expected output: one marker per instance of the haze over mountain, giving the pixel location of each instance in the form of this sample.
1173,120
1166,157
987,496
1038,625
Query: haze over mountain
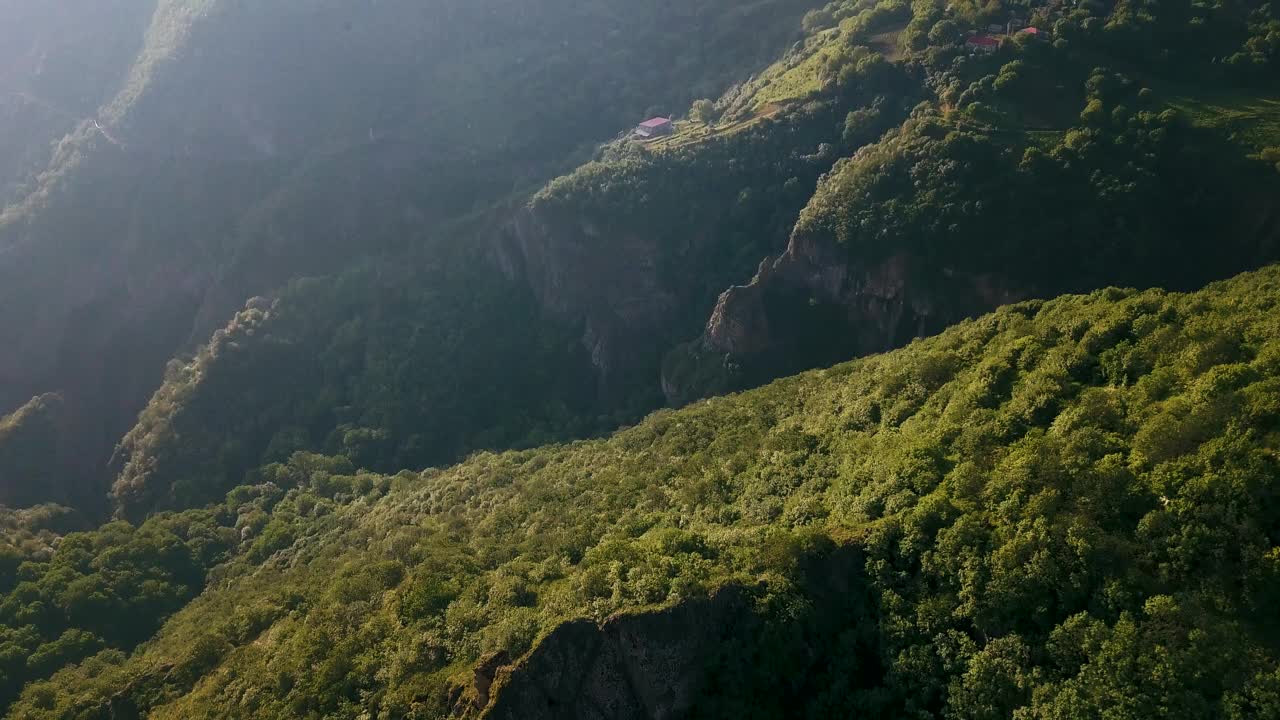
237,145
335,342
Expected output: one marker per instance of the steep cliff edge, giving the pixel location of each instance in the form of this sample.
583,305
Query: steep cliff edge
810,307
637,244
702,657
940,221
644,665
609,282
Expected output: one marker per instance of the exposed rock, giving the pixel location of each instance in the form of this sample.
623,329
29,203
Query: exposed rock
815,305
609,282
644,665
467,701
485,672
739,323
681,661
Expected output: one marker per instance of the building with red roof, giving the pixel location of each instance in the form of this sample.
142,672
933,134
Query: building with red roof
983,43
655,127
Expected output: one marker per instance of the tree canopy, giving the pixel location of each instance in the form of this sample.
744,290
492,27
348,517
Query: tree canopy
1063,509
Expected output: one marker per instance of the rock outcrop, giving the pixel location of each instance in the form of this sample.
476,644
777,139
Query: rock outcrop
816,304
609,282
709,652
648,665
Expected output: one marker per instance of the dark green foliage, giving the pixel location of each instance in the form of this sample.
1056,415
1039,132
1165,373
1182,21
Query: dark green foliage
390,371
112,587
965,191
30,450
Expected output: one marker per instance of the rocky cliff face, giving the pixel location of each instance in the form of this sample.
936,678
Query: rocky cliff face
808,306
609,282
814,305
644,666
704,657
817,304
885,303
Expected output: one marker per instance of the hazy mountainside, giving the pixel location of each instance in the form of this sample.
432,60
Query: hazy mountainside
252,143
58,64
421,369
28,439
893,180
1063,509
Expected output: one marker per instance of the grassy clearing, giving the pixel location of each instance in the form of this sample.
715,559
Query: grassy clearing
886,43
1045,139
1252,120
783,84
790,84
689,132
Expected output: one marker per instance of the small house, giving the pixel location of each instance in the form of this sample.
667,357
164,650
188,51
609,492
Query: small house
983,43
655,127
1034,33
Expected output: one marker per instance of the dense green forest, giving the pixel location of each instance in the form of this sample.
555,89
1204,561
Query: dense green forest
1048,166
423,472
416,375
1063,509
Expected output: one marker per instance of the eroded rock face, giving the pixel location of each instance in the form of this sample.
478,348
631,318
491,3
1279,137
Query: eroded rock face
707,657
647,665
885,304
816,305
609,283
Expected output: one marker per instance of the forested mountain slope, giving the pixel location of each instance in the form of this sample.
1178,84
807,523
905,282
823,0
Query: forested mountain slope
1068,159
1062,509
230,146
883,179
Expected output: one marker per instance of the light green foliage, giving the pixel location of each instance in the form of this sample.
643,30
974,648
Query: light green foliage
703,111
1063,509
